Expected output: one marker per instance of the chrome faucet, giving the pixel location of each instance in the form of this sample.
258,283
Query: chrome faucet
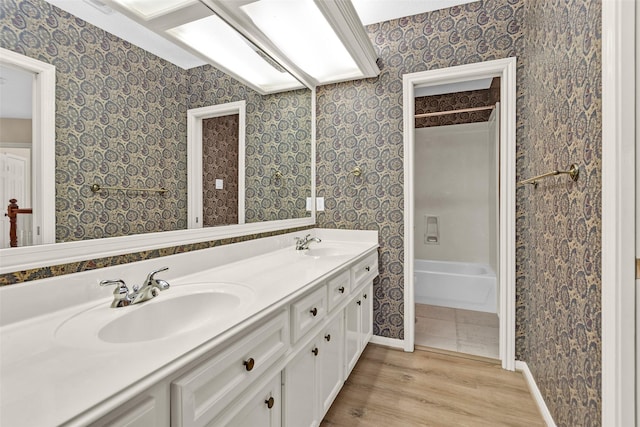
303,243
149,289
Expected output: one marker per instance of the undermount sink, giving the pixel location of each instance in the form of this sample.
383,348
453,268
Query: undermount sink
177,310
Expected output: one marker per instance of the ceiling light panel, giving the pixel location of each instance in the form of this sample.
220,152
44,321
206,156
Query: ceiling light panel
227,49
150,9
303,34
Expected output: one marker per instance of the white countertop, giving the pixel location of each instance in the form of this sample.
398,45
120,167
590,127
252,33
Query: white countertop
44,381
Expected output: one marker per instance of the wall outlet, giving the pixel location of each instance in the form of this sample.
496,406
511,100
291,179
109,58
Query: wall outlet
320,204
219,184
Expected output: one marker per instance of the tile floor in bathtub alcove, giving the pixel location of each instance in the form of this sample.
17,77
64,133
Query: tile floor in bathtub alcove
453,329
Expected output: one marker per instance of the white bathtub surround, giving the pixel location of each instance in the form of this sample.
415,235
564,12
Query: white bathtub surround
455,183
464,331
461,285
62,378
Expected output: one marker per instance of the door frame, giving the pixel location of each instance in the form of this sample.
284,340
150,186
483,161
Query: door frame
618,213
506,70
43,144
194,157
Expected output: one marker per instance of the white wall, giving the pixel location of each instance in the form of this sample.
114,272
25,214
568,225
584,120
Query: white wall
452,165
494,162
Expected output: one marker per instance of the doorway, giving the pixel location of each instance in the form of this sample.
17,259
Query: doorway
505,204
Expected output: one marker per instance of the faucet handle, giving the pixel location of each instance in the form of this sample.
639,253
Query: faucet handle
154,272
120,288
158,283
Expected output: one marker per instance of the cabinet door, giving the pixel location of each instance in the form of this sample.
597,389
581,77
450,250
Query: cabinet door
300,389
263,409
331,361
367,315
352,331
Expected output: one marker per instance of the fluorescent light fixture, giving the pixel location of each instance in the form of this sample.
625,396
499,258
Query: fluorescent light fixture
148,9
213,38
303,34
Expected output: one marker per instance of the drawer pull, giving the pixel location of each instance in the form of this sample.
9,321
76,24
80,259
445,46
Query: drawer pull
368,268
314,311
315,351
365,296
359,302
248,364
270,402
341,289
327,337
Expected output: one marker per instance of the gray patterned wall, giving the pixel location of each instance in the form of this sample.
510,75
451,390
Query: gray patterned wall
220,161
360,123
121,121
559,223
278,137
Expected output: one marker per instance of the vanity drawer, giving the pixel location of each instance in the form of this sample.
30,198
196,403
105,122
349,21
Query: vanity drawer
365,270
308,312
338,288
199,396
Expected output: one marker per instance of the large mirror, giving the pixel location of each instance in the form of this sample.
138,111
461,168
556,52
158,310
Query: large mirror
121,121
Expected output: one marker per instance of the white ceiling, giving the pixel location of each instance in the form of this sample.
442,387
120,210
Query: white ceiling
453,87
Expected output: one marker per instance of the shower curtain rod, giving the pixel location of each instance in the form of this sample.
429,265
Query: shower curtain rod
463,110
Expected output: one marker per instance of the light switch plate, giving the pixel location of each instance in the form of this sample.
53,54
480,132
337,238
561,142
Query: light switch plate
219,184
320,203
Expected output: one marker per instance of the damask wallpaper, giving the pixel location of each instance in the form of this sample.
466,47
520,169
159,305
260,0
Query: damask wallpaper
559,223
220,161
121,121
450,102
120,118
278,138
360,123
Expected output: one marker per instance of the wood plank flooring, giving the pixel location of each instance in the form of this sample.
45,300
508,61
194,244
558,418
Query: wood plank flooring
392,388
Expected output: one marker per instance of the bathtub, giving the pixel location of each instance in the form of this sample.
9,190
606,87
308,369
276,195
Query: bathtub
455,284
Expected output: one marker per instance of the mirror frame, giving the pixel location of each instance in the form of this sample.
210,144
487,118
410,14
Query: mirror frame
195,186
49,254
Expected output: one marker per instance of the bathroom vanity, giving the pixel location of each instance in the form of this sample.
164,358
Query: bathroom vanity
249,334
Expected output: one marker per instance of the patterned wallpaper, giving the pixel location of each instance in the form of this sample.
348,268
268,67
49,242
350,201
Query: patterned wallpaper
360,123
453,101
120,112
278,138
559,253
220,161
121,121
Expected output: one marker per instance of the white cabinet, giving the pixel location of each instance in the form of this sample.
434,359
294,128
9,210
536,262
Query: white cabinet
359,325
308,312
339,288
314,377
261,409
332,362
199,396
300,391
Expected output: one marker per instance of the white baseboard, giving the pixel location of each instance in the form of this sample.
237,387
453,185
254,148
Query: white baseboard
535,391
389,342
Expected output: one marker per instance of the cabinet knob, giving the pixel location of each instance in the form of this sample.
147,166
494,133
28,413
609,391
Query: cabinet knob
359,302
327,337
248,364
368,268
341,289
314,311
364,296
315,351
270,402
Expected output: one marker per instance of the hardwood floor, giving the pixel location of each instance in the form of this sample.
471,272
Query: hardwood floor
392,388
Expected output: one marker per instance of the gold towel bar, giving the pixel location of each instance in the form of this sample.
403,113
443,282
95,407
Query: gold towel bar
97,187
573,173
